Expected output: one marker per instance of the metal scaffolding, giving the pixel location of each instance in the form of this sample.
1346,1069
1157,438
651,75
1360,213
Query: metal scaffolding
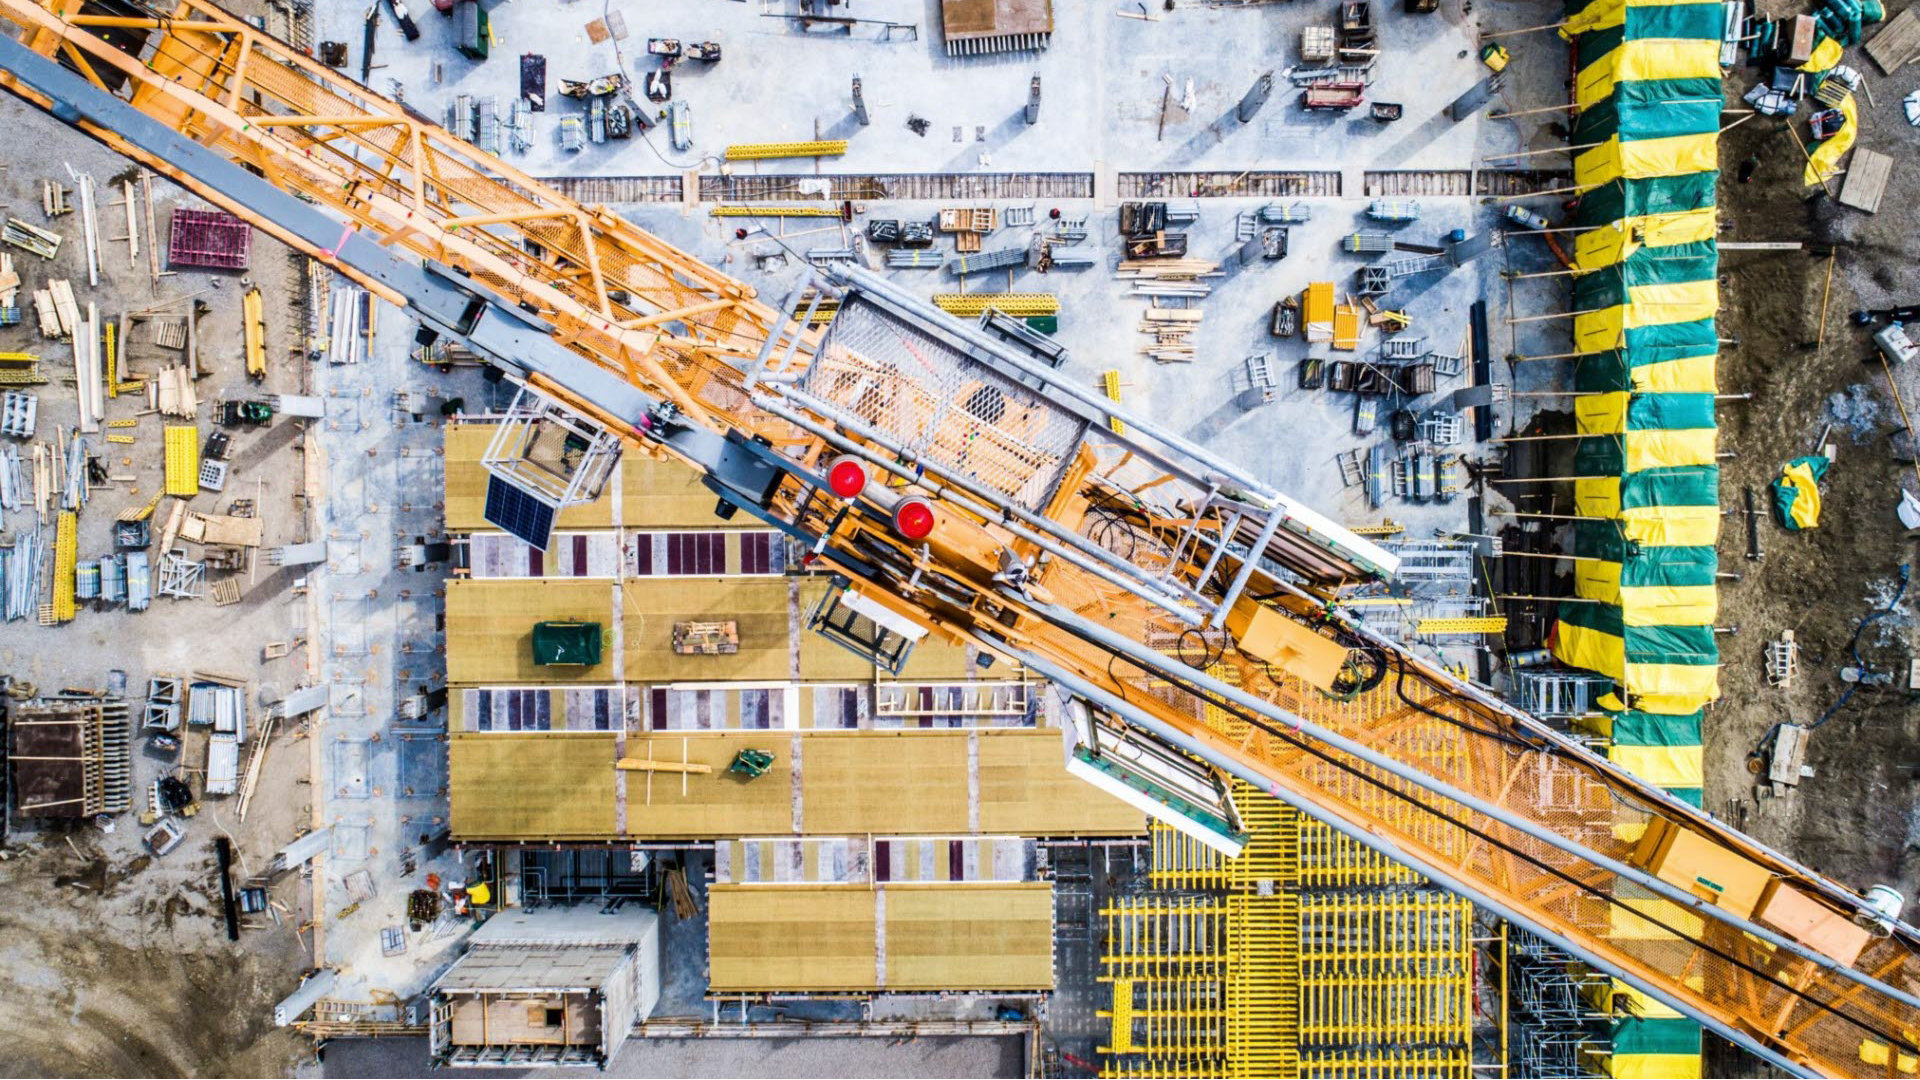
1305,956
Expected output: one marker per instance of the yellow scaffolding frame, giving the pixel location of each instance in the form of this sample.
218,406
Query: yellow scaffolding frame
1164,960
1312,958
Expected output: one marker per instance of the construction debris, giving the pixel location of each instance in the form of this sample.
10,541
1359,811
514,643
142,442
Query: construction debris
30,238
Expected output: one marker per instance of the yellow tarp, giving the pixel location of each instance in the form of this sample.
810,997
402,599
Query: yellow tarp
1805,510
1647,605
1606,245
1643,1005
1673,689
1651,58
1641,159
1658,449
1688,375
1594,650
1667,689
1667,766
1671,526
1825,55
1656,1067
1824,162
1650,305
1603,14
1669,605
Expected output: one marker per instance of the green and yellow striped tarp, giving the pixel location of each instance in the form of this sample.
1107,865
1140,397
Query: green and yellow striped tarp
1647,87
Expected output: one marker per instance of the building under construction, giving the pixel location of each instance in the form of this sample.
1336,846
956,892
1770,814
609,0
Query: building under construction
842,664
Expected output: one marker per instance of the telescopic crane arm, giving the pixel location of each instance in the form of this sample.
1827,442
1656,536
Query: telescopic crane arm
959,488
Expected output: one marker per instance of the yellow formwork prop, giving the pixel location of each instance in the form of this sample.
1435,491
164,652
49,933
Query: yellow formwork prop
1019,305
776,211
141,513
183,460
1465,624
1110,382
66,557
769,150
107,343
253,321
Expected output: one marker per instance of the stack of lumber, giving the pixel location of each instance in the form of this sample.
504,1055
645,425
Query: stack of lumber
1171,329
1168,284
56,308
172,392
968,224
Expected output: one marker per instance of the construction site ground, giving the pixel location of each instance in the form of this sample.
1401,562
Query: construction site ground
131,947
1858,817
116,962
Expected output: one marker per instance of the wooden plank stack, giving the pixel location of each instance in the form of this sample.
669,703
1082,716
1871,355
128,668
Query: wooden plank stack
1169,286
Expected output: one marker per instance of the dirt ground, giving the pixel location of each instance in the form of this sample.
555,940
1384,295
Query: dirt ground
113,962
1855,819
111,968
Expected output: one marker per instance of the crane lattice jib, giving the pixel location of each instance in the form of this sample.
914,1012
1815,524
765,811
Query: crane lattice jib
1172,592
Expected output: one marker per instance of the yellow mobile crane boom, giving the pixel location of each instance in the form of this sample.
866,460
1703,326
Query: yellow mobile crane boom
959,488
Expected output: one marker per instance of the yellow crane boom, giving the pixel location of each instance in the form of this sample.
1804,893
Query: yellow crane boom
955,487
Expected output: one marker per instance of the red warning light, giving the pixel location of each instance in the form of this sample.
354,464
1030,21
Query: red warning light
847,476
913,518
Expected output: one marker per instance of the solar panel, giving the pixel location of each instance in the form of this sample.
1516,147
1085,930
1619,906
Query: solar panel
519,513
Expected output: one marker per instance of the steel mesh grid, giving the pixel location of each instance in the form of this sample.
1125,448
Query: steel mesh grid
937,402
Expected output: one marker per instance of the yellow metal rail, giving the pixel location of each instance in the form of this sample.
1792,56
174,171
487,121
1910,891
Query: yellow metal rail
66,560
771,150
777,211
1463,624
1019,305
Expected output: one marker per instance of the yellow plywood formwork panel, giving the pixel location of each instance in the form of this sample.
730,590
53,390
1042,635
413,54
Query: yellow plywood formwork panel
715,805
531,787
183,460
490,629
824,938
791,937
466,446
1019,305
773,150
906,783
1024,791
969,937
664,494
887,782
756,606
